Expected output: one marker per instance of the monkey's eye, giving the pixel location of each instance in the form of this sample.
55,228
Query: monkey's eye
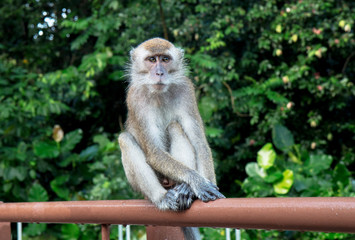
165,59
152,59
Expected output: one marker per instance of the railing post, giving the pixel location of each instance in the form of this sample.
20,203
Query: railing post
105,231
164,233
5,230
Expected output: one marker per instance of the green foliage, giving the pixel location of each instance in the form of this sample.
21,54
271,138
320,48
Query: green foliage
70,231
258,66
37,193
295,173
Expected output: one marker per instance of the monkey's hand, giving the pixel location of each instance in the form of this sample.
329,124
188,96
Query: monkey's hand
184,196
206,190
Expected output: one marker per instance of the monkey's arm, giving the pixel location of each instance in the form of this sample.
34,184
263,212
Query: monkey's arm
193,127
164,163
142,177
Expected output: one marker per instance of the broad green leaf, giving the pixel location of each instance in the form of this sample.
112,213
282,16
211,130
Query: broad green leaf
282,138
102,140
253,170
318,163
59,187
266,156
46,149
256,187
21,153
286,183
70,231
6,187
294,158
302,183
71,140
89,152
342,174
11,173
35,229
274,177
37,193
71,159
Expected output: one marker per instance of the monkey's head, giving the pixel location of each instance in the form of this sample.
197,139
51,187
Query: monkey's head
157,64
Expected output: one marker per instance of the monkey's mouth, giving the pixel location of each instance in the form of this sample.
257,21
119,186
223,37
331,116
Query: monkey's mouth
159,86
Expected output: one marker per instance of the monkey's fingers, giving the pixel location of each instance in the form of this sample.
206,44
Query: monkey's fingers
217,193
169,201
183,189
209,192
185,196
220,195
185,202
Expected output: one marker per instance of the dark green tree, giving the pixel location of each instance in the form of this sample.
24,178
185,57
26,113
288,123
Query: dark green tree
274,80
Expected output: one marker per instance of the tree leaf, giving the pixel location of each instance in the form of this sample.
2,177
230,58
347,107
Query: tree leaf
266,156
46,149
89,152
256,187
102,140
253,170
286,183
37,193
213,132
71,139
282,137
274,177
70,231
11,173
318,163
342,174
35,229
58,188
207,106
71,159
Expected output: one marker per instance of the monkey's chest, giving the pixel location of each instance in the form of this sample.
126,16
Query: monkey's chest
157,123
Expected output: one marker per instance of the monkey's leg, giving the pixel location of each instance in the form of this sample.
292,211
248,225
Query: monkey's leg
141,176
180,146
182,150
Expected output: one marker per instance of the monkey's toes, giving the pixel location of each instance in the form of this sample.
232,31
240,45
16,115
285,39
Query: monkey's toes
169,202
209,192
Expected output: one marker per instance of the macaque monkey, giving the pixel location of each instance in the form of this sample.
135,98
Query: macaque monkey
165,153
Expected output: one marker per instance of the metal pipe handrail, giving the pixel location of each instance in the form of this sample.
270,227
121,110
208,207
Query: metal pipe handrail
330,214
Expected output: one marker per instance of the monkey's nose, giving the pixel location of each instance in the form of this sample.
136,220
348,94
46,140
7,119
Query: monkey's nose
159,73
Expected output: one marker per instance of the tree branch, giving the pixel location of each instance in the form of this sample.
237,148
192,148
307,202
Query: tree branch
232,101
165,29
346,62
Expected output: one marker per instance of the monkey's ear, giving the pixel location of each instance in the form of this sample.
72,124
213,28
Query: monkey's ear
132,55
181,52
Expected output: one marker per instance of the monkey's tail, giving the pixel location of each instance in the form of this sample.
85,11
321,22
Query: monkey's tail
191,233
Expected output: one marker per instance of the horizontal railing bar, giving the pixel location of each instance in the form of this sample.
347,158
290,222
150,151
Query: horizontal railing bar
334,214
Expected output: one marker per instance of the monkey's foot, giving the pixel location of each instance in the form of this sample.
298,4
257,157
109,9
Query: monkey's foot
184,196
207,191
168,202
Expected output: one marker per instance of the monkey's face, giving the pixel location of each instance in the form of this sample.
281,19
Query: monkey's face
159,68
157,64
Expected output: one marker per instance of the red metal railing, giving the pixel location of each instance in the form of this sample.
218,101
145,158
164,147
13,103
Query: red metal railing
303,214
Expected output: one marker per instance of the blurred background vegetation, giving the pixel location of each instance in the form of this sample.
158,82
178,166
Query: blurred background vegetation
274,80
